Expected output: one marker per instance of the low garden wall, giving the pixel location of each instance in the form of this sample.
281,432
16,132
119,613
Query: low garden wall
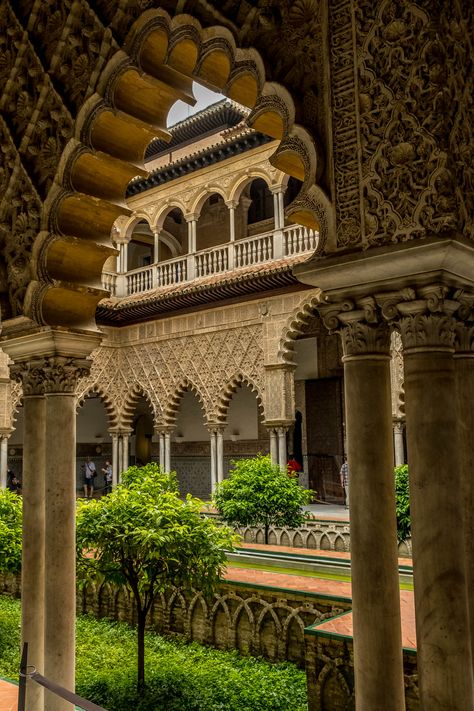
276,624
330,673
320,534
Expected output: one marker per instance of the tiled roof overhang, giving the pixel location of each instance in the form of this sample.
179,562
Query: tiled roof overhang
197,161
224,114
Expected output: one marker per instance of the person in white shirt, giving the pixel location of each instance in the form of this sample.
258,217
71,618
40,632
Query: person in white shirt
90,473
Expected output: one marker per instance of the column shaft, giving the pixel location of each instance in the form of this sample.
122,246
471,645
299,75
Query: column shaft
232,223
276,211
167,452
282,453
399,444
115,460
374,567
273,446
213,461
3,462
281,211
442,620
162,449
32,574
125,444
220,455
464,367
60,549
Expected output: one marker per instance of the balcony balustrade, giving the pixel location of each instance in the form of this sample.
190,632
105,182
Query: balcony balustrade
223,258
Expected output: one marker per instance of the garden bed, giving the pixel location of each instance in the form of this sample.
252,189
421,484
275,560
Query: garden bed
180,676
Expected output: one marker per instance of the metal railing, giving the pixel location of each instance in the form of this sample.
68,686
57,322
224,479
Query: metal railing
29,672
258,249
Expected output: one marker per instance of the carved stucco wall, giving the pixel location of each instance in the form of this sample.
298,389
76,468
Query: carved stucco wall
210,352
382,86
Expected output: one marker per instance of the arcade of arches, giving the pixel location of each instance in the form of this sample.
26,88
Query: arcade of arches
368,106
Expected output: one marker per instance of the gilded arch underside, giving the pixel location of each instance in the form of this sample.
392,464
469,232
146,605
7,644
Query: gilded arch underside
133,93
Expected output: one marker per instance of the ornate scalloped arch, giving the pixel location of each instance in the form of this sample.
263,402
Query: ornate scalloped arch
225,397
294,327
127,413
156,66
108,404
170,411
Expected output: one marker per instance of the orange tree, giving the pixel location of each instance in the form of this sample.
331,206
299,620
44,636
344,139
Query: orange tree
145,537
259,493
10,531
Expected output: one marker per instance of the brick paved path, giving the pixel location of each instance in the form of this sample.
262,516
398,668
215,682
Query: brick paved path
8,696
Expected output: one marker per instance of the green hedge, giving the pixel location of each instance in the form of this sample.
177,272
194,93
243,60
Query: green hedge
180,676
402,494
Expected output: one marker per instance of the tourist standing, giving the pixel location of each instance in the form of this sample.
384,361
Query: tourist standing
107,472
344,477
90,472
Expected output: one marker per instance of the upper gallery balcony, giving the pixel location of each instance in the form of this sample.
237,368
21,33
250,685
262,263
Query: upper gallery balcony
261,248
212,207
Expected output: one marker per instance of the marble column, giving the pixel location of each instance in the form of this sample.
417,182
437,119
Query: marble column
125,258
156,246
115,459
33,493
161,436
60,559
125,451
3,460
436,490
464,372
398,443
167,451
282,448
232,222
220,454
273,446
51,447
213,460
378,662
276,212
281,210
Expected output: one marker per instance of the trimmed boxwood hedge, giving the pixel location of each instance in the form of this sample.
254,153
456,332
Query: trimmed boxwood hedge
180,676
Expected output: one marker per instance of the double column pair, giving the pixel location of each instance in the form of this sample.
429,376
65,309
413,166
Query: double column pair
442,554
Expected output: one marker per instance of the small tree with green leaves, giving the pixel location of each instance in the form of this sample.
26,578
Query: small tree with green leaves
144,536
402,497
10,531
259,493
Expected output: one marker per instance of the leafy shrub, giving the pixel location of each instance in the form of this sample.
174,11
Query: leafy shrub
181,676
10,531
402,495
258,492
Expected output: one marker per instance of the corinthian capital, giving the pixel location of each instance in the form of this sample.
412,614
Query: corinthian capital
56,374
360,326
424,315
